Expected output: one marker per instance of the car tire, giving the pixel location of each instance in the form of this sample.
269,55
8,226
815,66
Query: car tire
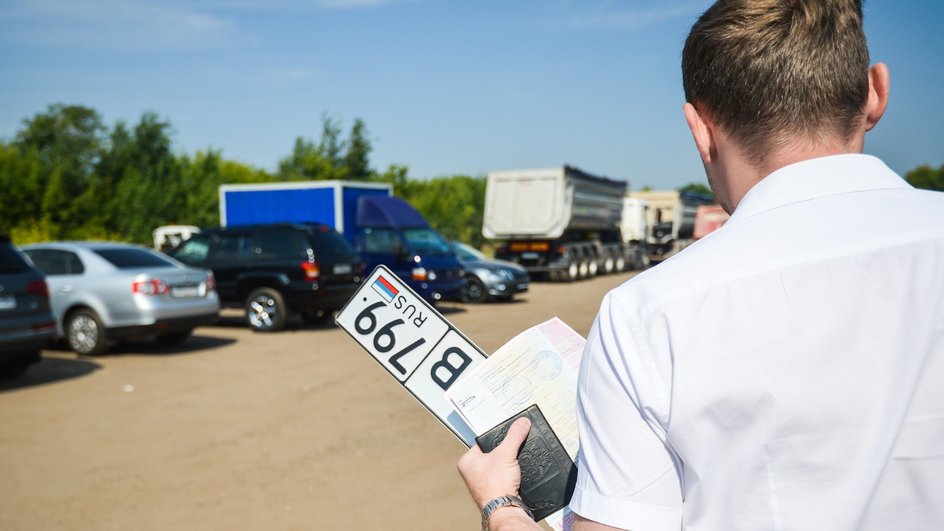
174,338
85,333
475,290
265,310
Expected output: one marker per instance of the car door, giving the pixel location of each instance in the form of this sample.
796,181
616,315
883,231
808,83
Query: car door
63,270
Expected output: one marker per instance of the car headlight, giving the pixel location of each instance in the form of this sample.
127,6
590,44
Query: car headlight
506,274
486,275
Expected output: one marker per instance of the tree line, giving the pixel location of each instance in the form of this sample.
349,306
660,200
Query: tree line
67,176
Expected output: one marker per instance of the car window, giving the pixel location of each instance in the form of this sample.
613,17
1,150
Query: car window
425,241
384,241
231,246
277,243
53,262
326,240
133,258
194,250
468,253
11,261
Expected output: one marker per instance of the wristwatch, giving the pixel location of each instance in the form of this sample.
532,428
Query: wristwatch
498,503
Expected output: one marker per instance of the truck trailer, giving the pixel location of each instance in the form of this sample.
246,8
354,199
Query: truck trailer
563,223
382,229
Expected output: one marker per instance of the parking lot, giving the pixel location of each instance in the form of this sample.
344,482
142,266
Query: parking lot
241,430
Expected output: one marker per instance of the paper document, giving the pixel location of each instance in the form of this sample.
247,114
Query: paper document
538,366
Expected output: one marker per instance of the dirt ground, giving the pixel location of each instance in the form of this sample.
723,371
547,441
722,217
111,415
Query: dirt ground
238,430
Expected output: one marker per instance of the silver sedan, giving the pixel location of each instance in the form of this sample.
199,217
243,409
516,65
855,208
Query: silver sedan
105,291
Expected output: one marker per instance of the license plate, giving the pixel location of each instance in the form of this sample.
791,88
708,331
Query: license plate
7,302
530,256
522,286
341,269
414,343
184,292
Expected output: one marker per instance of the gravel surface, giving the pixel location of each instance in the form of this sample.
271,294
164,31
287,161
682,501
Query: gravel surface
240,430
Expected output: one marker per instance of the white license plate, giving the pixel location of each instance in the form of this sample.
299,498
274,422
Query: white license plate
529,256
413,342
522,286
341,269
180,293
7,302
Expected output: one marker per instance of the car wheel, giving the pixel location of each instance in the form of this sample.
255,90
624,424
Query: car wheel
475,290
174,338
86,334
265,310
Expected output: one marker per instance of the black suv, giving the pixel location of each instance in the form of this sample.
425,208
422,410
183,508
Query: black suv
26,321
271,270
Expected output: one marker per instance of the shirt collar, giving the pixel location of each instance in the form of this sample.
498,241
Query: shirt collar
819,177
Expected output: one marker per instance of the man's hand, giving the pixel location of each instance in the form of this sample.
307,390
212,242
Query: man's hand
488,476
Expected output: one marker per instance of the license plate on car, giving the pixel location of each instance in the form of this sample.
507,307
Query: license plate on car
7,302
183,292
529,256
341,269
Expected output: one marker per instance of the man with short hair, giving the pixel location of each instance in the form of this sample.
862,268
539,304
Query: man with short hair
787,371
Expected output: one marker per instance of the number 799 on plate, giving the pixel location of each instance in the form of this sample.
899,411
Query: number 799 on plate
413,342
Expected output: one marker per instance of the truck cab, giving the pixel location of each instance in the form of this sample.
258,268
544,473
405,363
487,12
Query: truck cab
389,231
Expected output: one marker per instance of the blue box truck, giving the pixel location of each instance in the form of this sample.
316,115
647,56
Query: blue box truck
383,229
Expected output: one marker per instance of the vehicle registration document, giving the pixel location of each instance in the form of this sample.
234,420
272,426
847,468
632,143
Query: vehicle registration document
451,377
538,366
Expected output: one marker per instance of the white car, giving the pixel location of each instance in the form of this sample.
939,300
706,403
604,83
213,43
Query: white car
104,291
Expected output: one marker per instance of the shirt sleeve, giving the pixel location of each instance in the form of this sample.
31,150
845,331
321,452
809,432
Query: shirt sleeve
627,474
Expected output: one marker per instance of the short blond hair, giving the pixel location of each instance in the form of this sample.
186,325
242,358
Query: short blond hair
769,71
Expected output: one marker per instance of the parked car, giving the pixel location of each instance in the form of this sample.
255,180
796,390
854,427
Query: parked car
26,319
104,291
490,279
275,269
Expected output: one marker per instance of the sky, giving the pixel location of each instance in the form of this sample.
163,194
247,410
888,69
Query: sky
444,87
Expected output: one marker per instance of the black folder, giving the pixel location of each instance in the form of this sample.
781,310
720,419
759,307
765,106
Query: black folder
548,474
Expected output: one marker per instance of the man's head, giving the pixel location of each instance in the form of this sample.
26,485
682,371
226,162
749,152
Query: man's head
777,75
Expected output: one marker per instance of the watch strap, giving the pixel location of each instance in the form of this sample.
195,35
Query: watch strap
499,502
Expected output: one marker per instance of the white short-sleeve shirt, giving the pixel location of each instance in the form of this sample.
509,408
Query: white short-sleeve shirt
785,372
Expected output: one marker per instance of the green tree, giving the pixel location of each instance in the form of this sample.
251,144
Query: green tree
68,141
356,159
926,177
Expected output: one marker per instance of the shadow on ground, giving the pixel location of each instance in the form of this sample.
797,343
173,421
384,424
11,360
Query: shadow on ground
50,370
150,347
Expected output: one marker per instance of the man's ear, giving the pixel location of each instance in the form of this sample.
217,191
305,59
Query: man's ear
701,132
879,83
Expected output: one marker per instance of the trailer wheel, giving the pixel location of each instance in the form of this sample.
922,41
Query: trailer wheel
608,264
620,262
572,272
593,266
584,268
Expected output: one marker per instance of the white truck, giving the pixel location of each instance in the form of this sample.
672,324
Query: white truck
559,222
670,220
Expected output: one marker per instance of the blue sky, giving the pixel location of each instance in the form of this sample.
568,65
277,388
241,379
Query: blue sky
445,87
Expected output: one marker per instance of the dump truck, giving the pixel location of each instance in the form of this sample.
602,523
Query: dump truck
561,223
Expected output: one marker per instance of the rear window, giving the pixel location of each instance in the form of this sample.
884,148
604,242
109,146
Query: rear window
11,261
133,258
326,240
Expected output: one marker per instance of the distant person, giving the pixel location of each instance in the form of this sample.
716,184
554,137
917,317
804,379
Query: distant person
786,371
